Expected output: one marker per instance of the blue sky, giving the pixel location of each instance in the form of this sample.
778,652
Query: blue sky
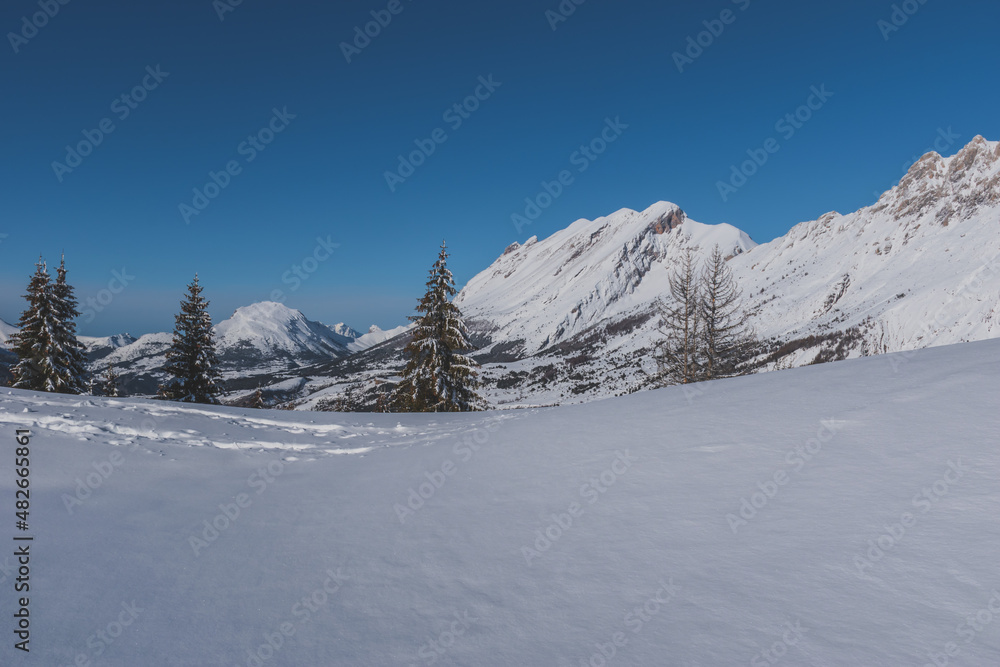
890,92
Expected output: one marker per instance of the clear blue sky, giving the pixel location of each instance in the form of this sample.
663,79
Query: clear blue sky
324,174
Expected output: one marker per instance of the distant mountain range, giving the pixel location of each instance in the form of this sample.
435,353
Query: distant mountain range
257,343
571,317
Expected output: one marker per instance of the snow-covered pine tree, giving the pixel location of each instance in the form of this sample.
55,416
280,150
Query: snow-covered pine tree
191,359
438,377
68,353
727,340
679,353
33,341
109,383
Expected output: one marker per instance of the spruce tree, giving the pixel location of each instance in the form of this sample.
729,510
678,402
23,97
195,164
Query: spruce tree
679,353
110,381
726,338
33,342
69,359
192,359
438,377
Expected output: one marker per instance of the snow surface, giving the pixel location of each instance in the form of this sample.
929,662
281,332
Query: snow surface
652,561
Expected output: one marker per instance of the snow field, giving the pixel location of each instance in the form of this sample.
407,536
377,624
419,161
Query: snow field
597,534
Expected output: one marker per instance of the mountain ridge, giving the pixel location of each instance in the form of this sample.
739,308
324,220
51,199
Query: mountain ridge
570,317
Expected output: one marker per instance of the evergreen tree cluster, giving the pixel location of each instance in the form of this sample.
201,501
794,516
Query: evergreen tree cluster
50,358
705,334
438,376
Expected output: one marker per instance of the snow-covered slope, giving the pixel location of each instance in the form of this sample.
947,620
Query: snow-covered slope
99,348
345,332
375,336
920,267
187,535
543,292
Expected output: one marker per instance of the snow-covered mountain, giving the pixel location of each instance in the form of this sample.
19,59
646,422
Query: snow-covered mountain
263,343
98,348
920,267
544,292
375,336
262,339
269,329
572,316
345,331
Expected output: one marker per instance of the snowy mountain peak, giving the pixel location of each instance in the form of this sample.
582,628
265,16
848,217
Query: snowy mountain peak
109,342
273,327
263,312
544,291
952,188
342,329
